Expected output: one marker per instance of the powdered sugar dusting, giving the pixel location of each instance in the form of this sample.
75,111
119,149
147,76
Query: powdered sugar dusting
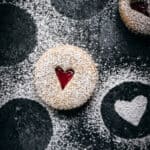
104,37
78,90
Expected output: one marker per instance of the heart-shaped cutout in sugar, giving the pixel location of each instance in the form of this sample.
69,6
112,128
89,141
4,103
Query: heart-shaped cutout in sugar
132,111
64,76
141,6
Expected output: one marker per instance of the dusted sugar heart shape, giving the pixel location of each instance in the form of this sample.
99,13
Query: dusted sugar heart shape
64,76
132,111
141,6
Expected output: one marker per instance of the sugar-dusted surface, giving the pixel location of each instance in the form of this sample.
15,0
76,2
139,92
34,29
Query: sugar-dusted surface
132,111
121,56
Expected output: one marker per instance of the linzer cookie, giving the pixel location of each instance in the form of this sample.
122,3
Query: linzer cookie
136,15
65,77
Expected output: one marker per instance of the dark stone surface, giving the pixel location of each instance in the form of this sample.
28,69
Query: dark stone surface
24,125
17,34
119,47
79,9
113,47
126,91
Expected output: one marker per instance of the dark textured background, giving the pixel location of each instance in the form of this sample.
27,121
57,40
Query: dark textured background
29,28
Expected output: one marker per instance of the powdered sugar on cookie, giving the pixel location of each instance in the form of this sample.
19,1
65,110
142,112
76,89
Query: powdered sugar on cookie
78,89
133,19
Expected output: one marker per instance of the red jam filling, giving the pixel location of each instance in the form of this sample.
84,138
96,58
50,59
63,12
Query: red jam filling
141,7
64,76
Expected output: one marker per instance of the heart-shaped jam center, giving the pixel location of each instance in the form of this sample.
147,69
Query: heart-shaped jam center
64,76
140,6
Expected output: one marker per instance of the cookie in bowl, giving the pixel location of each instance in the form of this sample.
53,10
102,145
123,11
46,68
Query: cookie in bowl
65,77
136,15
